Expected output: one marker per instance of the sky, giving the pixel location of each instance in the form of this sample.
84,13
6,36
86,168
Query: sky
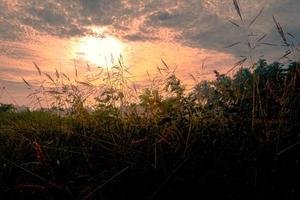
189,35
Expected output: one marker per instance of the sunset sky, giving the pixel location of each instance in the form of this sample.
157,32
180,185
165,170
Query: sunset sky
58,34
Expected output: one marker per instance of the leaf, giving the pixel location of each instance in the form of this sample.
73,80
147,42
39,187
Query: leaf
237,8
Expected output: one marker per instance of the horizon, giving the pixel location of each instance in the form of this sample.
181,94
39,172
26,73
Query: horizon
190,36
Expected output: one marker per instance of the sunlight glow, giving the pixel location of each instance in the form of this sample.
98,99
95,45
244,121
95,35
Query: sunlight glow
103,52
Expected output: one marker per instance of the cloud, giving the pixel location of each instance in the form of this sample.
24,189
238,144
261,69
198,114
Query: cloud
9,28
197,23
140,37
16,52
9,31
56,18
205,24
201,24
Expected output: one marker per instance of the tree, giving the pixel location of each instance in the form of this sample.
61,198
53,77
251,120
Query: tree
6,107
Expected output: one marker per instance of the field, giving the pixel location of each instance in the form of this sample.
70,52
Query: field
224,139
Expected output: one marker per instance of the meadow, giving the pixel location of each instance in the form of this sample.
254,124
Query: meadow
216,141
233,137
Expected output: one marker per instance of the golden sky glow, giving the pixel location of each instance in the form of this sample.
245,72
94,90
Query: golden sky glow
53,53
63,35
102,52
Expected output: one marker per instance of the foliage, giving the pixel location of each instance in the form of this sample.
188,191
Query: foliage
6,107
198,141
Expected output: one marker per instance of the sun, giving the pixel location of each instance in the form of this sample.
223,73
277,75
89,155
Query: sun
102,52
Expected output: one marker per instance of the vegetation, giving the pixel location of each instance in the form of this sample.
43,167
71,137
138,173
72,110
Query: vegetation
6,107
175,144
235,137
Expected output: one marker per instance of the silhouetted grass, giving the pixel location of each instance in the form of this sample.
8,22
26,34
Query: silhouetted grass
234,137
174,145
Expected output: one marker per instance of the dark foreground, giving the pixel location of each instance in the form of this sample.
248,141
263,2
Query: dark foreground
181,147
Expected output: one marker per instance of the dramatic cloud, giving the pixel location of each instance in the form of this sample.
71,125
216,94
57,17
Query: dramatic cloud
197,23
47,30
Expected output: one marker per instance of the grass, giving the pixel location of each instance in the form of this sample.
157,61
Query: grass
234,137
176,145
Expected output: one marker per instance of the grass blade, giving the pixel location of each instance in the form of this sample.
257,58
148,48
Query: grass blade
57,74
235,24
26,82
239,63
49,77
285,55
291,35
269,44
237,8
31,173
165,64
84,83
262,37
255,18
106,182
64,75
232,45
37,68
280,31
